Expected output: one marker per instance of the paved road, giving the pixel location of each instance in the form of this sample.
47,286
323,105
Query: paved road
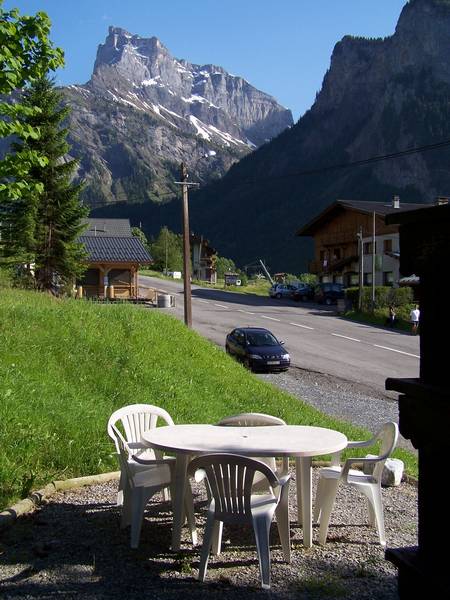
317,339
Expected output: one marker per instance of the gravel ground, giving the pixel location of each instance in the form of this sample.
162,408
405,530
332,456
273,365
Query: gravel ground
353,402
72,547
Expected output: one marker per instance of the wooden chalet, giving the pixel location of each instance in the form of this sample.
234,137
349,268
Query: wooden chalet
203,259
114,257
346,227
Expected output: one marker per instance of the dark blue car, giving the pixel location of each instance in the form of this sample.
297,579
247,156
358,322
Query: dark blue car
258,349
329,293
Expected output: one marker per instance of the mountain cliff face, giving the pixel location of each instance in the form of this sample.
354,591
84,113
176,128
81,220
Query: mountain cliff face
379,97
144,111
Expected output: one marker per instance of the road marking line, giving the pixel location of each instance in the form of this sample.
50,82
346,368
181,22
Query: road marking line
271,318
220,305
346,337
298,325
247,312
205,301
394,350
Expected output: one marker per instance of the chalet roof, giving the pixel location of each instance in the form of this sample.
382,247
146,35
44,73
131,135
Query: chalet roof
115,249
438,213
199,239
380,208
107,228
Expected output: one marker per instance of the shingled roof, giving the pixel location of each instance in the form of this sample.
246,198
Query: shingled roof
107,228
380,208
115,249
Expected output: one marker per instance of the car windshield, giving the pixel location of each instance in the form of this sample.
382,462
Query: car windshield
261,338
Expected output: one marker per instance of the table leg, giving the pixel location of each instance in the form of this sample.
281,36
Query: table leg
303,467
298,482
181,464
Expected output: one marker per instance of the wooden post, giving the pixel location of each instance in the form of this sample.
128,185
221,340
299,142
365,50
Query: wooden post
374,243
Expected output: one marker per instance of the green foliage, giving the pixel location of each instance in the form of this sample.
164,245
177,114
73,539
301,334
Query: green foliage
5,277
384,296
224,265
26,54
137,232
167,251
243,277
309,278
66,365
43,227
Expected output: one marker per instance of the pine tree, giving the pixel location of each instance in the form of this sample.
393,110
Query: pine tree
56,210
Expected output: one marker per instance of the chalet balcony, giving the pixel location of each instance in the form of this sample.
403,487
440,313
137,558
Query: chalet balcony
317,266
338,238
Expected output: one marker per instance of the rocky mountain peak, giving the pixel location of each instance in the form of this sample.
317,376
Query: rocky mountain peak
143,111
203,99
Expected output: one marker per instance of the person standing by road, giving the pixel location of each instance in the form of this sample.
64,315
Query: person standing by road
392,315
414,317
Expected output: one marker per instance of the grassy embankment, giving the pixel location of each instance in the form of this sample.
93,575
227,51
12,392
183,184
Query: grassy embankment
66,365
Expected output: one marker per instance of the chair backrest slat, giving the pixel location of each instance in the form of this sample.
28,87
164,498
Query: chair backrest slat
134,420
123,454
230,478
250,420
388,436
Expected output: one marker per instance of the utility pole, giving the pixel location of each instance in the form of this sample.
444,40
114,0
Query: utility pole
359,235
166,248
266,272
186,245
373,260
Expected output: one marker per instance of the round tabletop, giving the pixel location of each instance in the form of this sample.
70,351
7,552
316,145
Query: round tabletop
277,440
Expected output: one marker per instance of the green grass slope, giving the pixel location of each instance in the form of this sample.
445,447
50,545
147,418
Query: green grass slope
66,365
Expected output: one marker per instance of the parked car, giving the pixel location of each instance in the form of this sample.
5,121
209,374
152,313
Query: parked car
258,349
329,293
282,290
303,292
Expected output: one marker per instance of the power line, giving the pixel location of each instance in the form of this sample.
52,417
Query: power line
318,171
355,163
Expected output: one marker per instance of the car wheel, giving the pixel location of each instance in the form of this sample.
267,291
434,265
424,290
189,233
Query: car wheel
304,298
328,301
278,295
247,364
227,350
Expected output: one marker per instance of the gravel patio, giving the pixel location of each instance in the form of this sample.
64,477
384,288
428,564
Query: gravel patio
72,547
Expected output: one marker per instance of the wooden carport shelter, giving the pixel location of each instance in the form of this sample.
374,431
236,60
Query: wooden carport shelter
114,257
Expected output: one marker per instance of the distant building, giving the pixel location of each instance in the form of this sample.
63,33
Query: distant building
114,257
345,228
203,259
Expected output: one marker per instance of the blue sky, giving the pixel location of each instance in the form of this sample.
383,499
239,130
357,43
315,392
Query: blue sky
281,47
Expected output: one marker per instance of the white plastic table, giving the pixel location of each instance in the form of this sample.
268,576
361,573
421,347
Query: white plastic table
299,441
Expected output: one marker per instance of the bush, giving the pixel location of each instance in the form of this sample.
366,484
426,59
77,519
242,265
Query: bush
384,296
243,277
308,278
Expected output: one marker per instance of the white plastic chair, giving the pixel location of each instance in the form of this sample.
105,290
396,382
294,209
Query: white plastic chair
133,421
368,484
141,480
229,479
259,420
